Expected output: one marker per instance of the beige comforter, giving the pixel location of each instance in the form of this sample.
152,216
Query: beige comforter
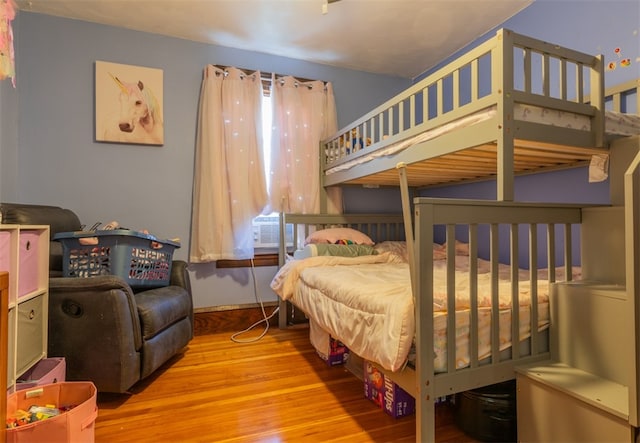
366,302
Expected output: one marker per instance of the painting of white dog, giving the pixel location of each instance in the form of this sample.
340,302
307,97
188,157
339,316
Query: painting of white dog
129,104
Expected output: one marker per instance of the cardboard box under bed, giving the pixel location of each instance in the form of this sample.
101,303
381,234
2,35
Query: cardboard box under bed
386,394
140,259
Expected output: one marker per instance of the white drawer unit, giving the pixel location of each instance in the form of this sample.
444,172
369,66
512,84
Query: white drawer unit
24,254
11,347
31,333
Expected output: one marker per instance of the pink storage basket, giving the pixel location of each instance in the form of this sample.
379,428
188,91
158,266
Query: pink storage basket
74,426
28,275
5,251
46,371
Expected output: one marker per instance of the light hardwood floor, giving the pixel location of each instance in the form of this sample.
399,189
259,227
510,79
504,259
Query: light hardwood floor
274,390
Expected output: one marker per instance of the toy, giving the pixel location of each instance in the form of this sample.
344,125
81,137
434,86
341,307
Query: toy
35,413
354,142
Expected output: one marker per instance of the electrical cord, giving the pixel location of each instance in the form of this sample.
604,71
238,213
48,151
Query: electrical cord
264,319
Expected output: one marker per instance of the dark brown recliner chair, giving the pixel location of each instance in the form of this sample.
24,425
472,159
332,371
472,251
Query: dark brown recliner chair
107,332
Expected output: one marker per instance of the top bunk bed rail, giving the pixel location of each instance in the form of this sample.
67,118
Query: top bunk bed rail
620,98
483,115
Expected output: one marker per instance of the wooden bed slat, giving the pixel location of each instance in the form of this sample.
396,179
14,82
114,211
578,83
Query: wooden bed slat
551,257
473,296
527,70
495,301
533,277
562,72
527,157
451,298
515,300
579,81
474,80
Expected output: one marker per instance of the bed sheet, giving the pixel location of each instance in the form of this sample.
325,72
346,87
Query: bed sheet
369,305
616,123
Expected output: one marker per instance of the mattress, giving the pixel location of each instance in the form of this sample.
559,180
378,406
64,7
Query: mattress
366,302
616,123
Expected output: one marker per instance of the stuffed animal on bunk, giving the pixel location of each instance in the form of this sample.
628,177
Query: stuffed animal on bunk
355,142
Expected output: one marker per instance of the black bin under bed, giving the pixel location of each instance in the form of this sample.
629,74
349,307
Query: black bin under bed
488,413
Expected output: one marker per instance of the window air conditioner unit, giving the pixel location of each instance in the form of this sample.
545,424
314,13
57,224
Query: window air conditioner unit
266,231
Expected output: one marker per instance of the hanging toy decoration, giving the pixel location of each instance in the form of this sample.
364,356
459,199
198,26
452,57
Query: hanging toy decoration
7,56
623,63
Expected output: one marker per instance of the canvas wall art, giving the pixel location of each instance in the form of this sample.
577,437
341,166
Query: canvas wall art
128,104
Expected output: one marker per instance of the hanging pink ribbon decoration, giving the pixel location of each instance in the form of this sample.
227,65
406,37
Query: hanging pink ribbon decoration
7,55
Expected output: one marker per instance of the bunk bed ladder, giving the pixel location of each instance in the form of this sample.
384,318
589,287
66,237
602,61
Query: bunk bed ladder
424,386
425,416
408,222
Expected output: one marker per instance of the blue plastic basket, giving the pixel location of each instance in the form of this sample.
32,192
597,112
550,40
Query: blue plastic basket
140,259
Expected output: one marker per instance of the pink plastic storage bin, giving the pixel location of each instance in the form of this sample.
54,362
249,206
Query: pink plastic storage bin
77,425
46,371
28,274
5,252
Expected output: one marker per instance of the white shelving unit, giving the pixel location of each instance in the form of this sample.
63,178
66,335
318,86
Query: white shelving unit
24,253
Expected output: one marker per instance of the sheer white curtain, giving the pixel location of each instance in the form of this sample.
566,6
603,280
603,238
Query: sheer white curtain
229,181
304,113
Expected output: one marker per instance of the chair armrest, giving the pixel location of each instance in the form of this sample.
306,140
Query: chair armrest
94,324
180,275
115,293
97,283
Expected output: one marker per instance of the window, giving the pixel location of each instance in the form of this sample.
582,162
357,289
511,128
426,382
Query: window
265,227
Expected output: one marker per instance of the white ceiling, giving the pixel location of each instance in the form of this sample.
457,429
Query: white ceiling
394,37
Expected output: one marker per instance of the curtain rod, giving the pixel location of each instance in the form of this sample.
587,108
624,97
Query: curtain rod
266,77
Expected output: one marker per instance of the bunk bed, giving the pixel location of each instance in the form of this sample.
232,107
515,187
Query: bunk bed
472,120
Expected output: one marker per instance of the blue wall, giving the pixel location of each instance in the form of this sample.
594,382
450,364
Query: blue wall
48,153
591,26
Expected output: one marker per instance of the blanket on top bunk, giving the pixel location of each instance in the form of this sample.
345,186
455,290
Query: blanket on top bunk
616,123
366,302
